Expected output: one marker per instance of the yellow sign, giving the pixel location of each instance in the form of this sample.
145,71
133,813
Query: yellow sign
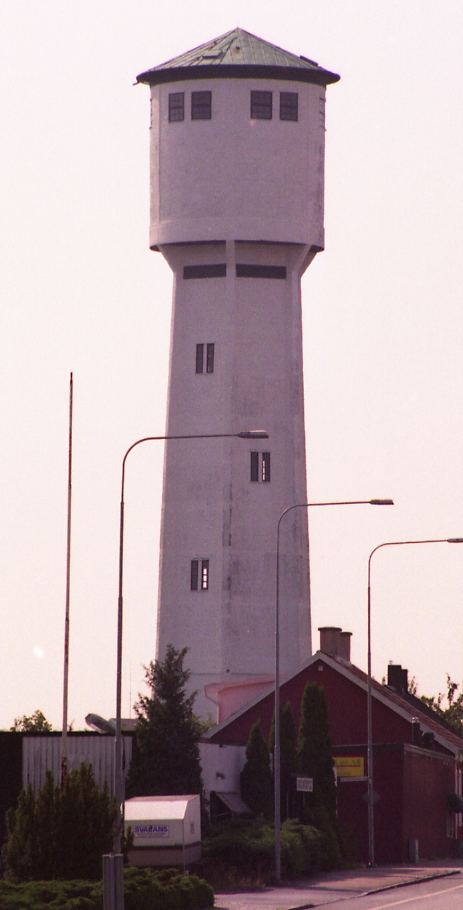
350,766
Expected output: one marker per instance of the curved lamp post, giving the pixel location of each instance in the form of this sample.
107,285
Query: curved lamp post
370,793
276,754
118,769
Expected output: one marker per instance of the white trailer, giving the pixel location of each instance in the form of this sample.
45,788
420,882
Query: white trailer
166,830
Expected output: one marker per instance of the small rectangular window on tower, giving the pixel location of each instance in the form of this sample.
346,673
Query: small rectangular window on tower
201,105
254,466
176,106
199,575
265,470
204,574
260,467
288,106
210,358
199,358
261,105
194,574
205,357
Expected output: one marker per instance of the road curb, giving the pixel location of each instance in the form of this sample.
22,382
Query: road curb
408,881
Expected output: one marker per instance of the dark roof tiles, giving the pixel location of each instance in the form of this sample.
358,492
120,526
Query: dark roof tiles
239,50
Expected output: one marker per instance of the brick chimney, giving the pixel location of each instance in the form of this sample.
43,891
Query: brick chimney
329,639
335,642
397,678
344,645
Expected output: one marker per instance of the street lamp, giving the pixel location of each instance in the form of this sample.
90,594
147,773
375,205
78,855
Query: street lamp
276,754
370,794
118,770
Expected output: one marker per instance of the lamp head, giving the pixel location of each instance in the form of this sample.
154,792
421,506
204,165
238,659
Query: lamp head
253,434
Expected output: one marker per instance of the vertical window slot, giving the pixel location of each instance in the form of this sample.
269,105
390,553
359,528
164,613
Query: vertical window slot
289,106
199,358
265,474
194,576
260,467
210,358
201,105
261,105
176,106
199,575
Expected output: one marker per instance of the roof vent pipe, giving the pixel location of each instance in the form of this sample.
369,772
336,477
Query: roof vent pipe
344,645
329,640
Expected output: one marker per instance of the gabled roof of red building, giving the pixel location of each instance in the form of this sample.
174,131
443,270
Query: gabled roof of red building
237,53
406,706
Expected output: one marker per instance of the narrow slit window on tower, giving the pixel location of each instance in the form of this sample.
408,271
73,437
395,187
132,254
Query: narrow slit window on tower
201,105
261,105
199,358
247,270
260,467
199,575
205,357
214,270
176,106
289,106
265,467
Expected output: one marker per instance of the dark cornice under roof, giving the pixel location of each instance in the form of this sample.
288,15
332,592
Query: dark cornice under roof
238,55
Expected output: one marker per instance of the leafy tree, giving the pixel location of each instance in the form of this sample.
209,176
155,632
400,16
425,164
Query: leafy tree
60,832
256,777
449,704
314,757
166,757
288,742
32,723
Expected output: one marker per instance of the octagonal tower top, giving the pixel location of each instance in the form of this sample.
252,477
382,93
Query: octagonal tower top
238,53
237,144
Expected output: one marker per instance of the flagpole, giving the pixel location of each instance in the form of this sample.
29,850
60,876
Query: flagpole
64,757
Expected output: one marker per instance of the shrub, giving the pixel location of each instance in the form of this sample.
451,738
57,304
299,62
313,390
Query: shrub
247,850
256,777
144,890
60,832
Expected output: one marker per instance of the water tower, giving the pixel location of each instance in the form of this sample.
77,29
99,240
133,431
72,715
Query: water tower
237,183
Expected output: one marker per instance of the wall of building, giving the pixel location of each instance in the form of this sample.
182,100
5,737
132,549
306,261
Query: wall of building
221,767
429,777
346,726
212,510
233,177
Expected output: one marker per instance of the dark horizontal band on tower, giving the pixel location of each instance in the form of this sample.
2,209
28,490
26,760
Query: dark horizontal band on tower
216,270
244,270
260,271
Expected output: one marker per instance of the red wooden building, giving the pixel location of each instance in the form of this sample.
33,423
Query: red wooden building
417,756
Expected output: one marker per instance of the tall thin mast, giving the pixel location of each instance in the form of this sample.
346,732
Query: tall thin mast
64,758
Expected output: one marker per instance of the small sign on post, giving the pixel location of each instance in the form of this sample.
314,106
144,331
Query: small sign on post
304,784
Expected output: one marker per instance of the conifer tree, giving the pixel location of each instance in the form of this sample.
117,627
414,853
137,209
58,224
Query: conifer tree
60,832
256,777
288,743
314,757
166,756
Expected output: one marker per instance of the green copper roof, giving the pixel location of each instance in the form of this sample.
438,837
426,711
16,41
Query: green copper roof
238,54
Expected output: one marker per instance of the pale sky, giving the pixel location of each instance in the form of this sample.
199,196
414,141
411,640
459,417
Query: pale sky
80,291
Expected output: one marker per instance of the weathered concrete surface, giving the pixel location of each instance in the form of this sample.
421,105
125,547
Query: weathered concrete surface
333,886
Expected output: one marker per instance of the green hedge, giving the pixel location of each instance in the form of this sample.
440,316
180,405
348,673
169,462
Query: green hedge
249,847
144,890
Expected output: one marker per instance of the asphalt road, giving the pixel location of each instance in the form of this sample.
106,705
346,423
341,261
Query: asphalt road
409,888
441,894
